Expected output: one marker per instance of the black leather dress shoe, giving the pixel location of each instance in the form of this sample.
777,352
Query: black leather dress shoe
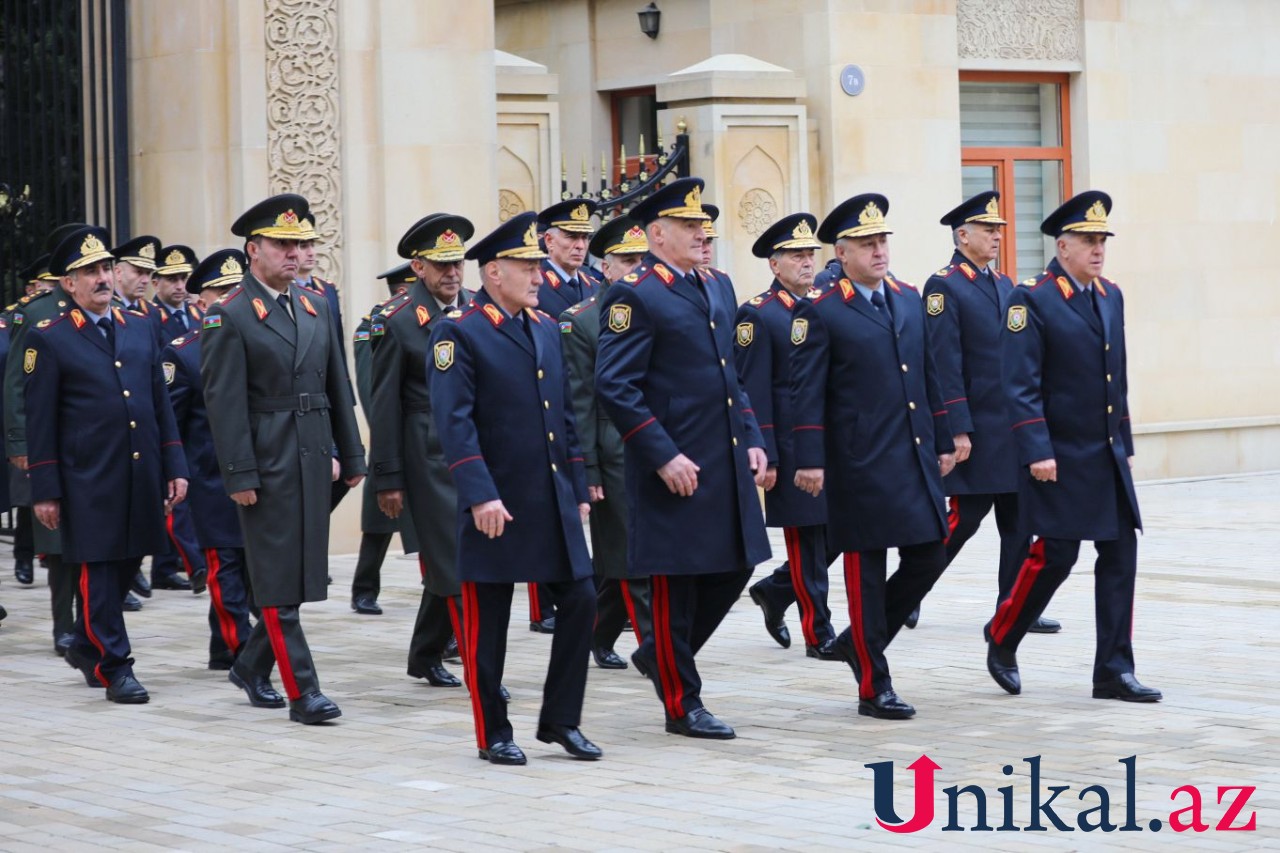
436,675
826,650
572,739
4,613
773,618
170,581
846,652
503,752
140,584
130,604
23,571
1126,688
886,706
546,626
1045,626
367,605
61,643
504,692
258,688
1002,664
451,652
221,663
125,690
700,723
608,659
74,661
913,618
312,708
647,668
199,581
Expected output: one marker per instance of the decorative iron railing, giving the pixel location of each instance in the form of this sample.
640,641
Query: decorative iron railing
638,177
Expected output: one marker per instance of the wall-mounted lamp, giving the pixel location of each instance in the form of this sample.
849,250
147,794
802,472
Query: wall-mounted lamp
650,19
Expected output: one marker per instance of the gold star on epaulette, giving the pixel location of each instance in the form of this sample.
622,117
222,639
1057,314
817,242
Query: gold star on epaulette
454,314
179,341
814,293
24,300
43,323
631,277
1027,283
11,307
755,300
945,271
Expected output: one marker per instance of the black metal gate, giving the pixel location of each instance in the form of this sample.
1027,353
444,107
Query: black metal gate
63,125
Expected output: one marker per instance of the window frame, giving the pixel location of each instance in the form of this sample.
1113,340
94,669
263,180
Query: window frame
615,121
1003,158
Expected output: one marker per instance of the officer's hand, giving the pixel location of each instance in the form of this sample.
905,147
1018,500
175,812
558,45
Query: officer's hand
596,493
19,462
491,518
584,510
680,475
354,480
946,462
963,447
248,497
759,463
47,513
337,470
809,480
177,494
391,502
770,478
1046,470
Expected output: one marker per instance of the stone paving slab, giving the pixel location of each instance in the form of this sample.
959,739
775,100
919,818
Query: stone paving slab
199,769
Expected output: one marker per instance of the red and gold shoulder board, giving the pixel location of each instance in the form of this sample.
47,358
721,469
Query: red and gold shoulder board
1065,286
665,274
260,309
495,316
306,304
424,316
78,318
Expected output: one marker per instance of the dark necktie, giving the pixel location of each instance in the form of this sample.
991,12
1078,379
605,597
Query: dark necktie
1093,302
108,332
523,319
180,317
283,299
877,299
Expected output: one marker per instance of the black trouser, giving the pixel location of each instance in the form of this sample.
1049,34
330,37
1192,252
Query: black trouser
966,515
182,554
542,602
101,637
367,580
1114,573
803,579
439,618
277,639
486,615
23,544
64,594
616,602
229,627
687,609
879,607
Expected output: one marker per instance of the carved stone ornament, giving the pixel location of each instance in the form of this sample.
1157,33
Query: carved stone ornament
509,204
303,151
757,211
1018,29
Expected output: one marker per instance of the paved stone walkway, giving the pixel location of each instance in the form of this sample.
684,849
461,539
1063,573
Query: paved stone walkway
199,769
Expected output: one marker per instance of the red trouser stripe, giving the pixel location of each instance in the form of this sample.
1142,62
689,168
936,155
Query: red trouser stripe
455,619
1011,608
226,622
271,618
88,625
668,673
177,546
471,621
853,585
953,518
808,613
535,606
630,604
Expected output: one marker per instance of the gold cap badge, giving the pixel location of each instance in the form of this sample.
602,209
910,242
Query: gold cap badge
579,213
91,245
173,258
148,251
231,267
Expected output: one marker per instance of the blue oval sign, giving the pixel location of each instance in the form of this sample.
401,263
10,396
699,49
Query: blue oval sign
852,80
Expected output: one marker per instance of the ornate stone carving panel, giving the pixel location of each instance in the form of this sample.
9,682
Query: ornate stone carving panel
1018,29
302,115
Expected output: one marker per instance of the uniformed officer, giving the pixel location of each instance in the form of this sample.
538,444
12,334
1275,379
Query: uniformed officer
694,453
376,529
405,452
181,565
620,244
963,309
1067,391
25,315
134,268
500,401
871,429
762,346
217,527
105,459
278,402
710,235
